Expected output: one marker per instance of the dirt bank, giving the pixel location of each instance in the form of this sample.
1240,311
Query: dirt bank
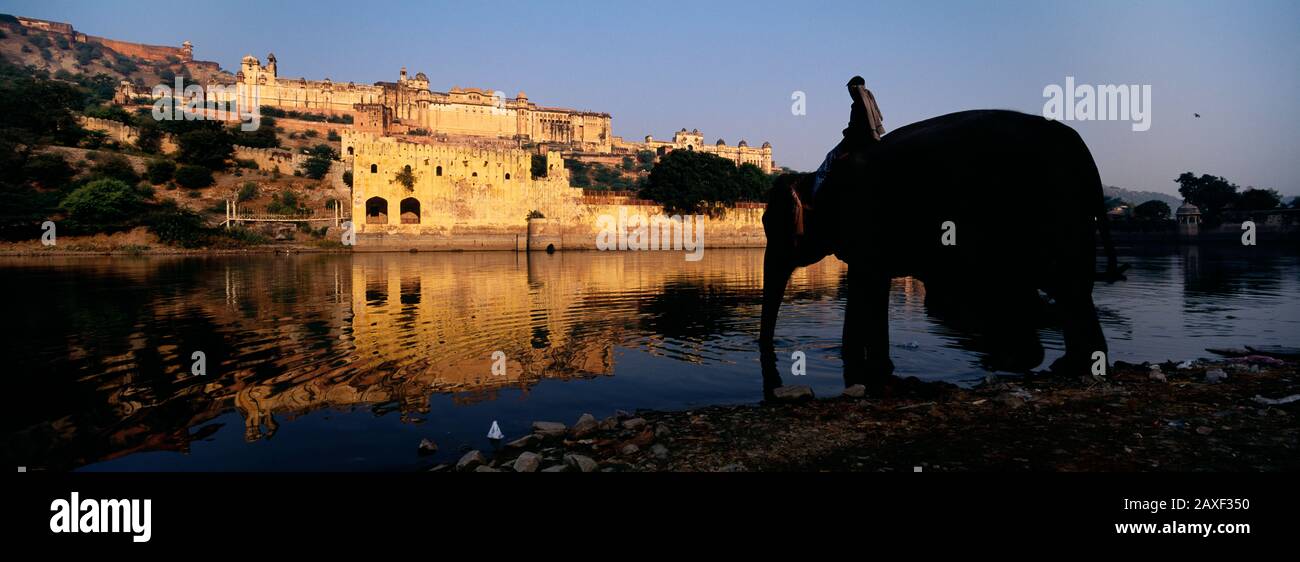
1209,416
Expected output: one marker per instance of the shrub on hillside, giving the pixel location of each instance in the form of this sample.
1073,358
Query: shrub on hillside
161,171
191,176
117,167
103,203
49,170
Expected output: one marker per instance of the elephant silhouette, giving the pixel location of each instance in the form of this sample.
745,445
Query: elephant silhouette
985,207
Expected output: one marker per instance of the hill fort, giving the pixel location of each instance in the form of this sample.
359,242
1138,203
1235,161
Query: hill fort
472,154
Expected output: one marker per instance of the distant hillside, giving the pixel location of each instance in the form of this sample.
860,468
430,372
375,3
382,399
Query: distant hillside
64,52
1136,198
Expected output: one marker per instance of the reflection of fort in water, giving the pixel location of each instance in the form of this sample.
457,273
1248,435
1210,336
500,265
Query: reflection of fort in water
288,336
426,323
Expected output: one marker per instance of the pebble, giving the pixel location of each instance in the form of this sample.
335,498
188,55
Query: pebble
634,424
1215,376
609,424
486,469
528,462
556,468
659,451
470,461
794,392
586,425
523,442
630,449
549,429
427,447
856,391
581,463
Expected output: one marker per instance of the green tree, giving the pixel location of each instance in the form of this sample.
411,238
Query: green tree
1259,199
319,160
160,171
209,147
752,183
406,177
103,203
38,107
49,170
191,176
645,160
686,181
117,167
247,192
150,136
1211,194
1152,210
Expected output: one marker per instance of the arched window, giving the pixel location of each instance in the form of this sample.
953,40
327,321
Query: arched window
349,151
410,209
374,168
475,174
507,175
438,171
376,210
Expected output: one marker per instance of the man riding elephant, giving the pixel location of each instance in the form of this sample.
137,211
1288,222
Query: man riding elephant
985,207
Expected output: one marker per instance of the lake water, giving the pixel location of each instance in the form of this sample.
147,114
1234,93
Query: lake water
345,362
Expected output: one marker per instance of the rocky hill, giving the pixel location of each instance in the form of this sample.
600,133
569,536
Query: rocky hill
66,53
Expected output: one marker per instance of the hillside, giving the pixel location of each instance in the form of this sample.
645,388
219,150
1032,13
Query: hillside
66,53
1136,198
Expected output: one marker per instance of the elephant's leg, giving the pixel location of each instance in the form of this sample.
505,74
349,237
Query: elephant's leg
1012,319
1083,335
865,346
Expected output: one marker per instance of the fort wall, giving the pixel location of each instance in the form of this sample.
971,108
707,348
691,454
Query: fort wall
123,133
464,198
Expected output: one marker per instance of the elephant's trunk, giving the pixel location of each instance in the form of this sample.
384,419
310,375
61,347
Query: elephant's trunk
776,273
777,269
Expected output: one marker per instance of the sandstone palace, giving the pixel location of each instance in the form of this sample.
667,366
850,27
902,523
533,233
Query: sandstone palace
468,114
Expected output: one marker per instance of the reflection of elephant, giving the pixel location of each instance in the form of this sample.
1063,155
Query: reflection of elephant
985,207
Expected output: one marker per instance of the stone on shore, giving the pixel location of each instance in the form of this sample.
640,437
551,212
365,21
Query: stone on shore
528,462
585,426
486,469
855,391
793,393
609,424
659,451
470,461
634,424
1215,376
630,449
556,468
427,447
524,442
549,429
581,463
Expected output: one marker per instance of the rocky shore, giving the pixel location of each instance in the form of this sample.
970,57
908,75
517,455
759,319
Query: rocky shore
1237,414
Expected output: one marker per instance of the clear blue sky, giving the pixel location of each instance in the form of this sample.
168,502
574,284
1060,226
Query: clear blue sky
729,68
